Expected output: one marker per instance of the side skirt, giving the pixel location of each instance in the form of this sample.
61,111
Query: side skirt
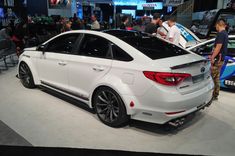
47,86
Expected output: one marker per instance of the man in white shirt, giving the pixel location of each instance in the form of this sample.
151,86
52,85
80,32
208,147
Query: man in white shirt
173,34
95,24
162,30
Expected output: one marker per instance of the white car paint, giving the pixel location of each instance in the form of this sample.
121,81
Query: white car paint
205,42
81,75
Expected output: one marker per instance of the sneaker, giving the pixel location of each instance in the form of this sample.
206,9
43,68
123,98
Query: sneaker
215,98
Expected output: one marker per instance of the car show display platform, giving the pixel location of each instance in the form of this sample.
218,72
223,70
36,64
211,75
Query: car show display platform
48,121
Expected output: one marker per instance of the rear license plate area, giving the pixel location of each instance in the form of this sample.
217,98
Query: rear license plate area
199,78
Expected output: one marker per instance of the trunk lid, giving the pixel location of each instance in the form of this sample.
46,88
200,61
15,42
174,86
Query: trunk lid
197,66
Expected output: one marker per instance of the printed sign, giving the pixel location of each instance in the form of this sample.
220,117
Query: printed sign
150,5
230,83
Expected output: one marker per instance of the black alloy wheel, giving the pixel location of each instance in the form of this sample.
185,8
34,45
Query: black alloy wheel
110,108
26,76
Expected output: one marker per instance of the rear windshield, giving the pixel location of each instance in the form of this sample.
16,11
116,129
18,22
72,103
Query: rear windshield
153,47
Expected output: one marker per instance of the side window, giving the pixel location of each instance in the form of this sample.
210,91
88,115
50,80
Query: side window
231,47
204,49
94,46
62,44
120,55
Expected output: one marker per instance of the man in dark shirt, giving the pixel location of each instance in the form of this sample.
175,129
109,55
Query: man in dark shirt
153,26
218,55
125,21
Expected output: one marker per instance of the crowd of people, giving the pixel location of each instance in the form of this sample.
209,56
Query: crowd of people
14,35
22,33
168,31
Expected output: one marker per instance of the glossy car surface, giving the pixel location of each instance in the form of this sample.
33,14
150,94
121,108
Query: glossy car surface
228,70
137,77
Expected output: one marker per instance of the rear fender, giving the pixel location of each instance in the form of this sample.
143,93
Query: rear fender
120,88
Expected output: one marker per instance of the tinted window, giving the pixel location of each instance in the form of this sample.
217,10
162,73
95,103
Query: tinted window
120,55
122,33
154,48
231,47
94,46
62,44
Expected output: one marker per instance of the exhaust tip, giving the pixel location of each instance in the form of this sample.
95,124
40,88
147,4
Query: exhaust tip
177,123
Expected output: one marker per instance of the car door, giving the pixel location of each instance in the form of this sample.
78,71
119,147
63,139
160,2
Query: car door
92,62
52,63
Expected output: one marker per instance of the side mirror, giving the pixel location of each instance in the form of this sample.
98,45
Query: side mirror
41,48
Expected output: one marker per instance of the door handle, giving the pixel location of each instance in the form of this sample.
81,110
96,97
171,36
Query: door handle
62,63
98,68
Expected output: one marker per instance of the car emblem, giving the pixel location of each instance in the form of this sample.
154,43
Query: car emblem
203,69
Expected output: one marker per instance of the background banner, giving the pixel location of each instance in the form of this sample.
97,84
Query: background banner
173,2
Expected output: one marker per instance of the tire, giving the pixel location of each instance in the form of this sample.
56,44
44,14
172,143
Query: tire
25,76
109,107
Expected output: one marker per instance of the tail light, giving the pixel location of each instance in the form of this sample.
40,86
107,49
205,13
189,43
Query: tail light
168,79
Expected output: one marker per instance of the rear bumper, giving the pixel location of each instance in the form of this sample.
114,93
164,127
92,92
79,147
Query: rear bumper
179,121
154,106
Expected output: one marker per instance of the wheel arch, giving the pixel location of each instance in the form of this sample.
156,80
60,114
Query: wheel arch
32,69
111,87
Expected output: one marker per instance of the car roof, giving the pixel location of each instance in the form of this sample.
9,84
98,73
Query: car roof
120,30
92,32
125,33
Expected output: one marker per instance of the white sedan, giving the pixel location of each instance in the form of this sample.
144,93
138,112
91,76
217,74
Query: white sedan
131,76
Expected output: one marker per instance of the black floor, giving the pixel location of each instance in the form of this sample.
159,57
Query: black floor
10,137
40,151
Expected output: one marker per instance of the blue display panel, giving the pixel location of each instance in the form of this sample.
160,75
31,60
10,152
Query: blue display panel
1,13
227,77
131,12
188,37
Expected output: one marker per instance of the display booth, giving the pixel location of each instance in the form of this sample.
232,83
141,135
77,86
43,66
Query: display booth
12,10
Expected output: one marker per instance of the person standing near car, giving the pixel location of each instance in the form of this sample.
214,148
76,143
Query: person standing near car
5,39
5,33
95,25
173,34
218,55
152,27
161,31
125,21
